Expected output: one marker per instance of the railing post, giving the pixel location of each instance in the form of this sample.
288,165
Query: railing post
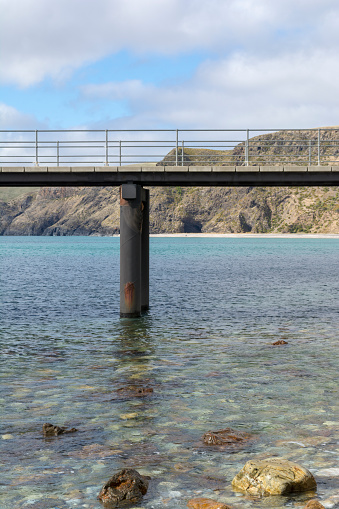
318,147
106,148
182,153
36,149
176,149
120,153
310,152
246,148
57,153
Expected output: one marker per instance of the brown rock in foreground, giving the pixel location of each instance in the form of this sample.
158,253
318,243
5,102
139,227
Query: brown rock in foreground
227,436
314,504
125,486
273,476
50,430
206,503
280,342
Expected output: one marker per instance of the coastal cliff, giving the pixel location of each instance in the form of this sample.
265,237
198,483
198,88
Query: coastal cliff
95,211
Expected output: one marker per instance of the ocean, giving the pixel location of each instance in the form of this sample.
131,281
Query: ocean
204,352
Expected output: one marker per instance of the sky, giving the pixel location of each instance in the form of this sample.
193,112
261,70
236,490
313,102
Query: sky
158,64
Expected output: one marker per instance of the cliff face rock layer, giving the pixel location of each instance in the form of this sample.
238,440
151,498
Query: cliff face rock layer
61,211
95,211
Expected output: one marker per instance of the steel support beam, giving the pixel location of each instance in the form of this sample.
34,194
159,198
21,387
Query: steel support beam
145,253
130,250
134,250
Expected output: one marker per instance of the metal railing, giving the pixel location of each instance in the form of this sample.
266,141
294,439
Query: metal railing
179,147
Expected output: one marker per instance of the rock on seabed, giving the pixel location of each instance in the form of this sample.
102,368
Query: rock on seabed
273,476
314,504
125,486
226,436
206,503
49,430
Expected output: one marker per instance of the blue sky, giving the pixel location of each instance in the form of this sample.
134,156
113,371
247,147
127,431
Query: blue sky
147,64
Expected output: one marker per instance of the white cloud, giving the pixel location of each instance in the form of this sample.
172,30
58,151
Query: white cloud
291,90
11,118
41,39
266,63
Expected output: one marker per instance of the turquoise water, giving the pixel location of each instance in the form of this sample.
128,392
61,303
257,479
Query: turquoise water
205,347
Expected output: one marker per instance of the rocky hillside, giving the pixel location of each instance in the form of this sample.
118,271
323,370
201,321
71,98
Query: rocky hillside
293,147
95,211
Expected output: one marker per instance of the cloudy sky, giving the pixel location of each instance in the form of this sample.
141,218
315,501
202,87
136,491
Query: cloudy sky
169,64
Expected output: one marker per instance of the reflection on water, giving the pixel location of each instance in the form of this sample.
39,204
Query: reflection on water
143,392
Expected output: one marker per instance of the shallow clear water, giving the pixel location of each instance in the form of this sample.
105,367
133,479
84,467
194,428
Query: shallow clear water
205,348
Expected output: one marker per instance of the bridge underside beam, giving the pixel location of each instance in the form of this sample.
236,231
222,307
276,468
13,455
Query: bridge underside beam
172,176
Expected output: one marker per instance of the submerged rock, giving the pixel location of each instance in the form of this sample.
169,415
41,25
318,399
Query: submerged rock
133,391
227,436
273,476
125,486
314,504
50,430
280,342
206,503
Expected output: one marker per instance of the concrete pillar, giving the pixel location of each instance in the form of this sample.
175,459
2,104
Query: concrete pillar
145,252
131,216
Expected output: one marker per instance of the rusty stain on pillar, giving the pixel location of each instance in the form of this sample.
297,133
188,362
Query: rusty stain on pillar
129,293
131,216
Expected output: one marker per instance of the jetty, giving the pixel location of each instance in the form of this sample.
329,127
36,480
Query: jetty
137,160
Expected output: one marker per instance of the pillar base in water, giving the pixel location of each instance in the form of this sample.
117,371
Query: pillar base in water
130,315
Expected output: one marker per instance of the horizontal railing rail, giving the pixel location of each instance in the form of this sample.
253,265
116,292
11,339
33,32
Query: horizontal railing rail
170,147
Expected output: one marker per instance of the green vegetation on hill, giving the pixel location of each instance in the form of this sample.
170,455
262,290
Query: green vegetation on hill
10,193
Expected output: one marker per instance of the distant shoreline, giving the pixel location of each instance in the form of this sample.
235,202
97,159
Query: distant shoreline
251,235
207,235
